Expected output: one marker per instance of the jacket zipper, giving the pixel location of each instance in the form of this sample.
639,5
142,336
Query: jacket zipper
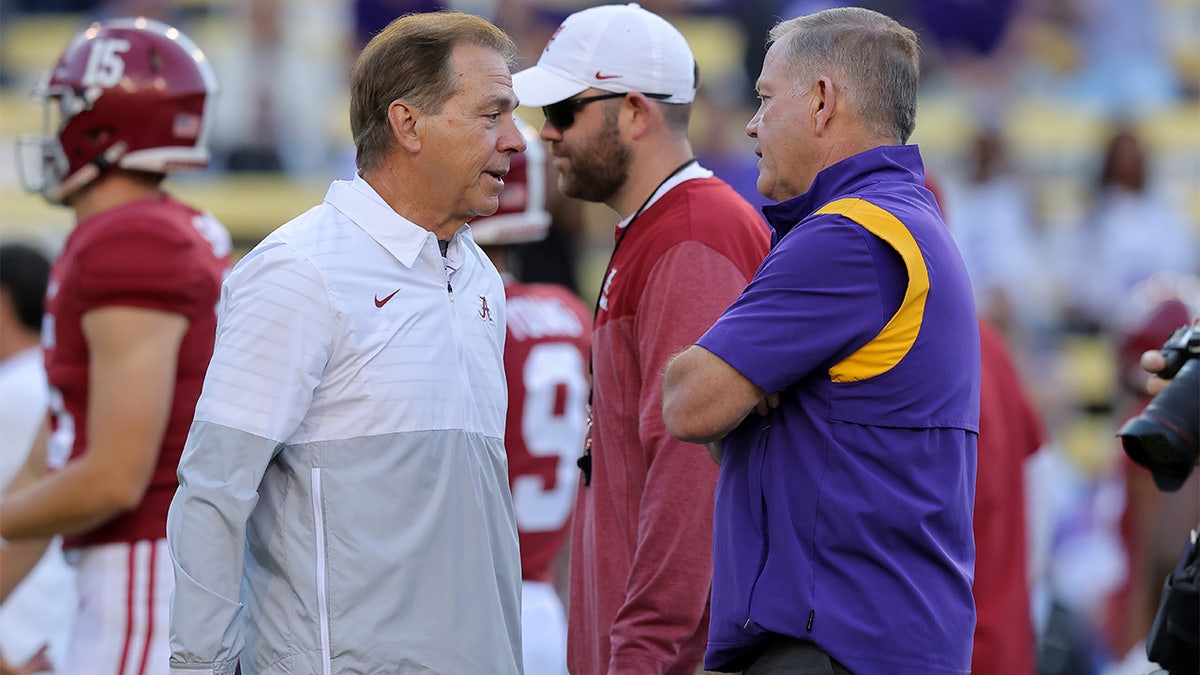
460,356
760,446
322,590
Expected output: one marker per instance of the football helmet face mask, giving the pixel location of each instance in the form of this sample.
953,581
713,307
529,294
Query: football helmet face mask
131,93
522,215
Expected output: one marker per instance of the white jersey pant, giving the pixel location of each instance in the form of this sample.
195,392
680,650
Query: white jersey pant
124,610
543,630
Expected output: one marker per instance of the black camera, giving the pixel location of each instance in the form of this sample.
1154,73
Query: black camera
1163,437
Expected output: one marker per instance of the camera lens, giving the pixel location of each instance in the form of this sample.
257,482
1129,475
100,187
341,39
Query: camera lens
1163,437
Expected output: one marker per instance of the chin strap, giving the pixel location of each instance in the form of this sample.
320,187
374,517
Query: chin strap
88,173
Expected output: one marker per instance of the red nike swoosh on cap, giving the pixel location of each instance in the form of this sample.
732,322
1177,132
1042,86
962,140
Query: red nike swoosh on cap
381,303
600,76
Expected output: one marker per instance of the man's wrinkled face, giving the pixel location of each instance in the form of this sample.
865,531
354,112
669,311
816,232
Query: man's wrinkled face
472,138
783,127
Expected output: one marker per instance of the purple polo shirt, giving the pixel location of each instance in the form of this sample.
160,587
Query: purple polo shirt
844,516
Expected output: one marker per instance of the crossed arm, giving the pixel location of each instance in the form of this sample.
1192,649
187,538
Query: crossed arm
704,398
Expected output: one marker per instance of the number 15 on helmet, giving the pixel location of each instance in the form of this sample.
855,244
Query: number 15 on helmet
130,93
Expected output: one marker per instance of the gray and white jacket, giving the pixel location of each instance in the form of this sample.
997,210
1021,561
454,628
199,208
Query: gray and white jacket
343,504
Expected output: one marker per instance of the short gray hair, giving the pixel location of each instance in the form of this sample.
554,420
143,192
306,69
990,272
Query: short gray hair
877,59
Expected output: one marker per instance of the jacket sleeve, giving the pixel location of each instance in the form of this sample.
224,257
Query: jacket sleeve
271,347
662,624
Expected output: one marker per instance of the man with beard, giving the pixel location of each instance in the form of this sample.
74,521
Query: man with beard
616,84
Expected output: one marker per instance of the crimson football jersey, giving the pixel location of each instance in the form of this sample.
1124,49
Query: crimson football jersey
545,363
155,254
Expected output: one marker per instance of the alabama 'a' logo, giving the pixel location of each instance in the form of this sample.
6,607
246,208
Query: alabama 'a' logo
485,312
604,290
552,36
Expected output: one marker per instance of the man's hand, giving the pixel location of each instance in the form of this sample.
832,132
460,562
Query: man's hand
38,663
1153,362
766,404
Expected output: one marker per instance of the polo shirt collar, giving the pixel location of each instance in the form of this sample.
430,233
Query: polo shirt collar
359,202
882,164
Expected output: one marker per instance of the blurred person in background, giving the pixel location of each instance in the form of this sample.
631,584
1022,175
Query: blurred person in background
545,364
616,83
1010,432
129,329
1153,524
1132,231
36,607
255,91
279,67
343,500
1105,537
989,210
840,390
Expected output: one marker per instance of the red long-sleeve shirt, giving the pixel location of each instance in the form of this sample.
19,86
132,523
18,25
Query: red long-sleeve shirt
641,563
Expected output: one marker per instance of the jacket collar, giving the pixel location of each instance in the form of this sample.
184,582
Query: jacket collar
885,163
404,239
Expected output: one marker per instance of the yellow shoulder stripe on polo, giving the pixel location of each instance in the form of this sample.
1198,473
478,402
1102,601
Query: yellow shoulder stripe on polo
892,343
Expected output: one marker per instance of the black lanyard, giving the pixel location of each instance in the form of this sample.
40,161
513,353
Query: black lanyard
585,461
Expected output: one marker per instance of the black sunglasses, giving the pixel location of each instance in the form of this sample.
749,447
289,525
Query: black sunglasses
562,114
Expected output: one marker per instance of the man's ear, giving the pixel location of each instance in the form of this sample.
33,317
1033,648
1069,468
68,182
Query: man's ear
825,102
404,118
640,110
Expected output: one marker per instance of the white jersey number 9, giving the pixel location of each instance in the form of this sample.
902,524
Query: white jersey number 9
546,434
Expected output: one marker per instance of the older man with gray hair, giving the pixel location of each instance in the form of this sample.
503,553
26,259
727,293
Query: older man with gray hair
841,390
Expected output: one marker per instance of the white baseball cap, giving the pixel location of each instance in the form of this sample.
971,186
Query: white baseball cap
617,48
